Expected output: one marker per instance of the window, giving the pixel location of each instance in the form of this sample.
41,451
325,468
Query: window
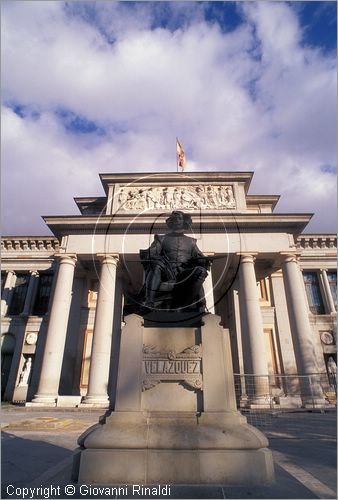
19,294
332,277
263,291
272,357
271,352
42,297
88,340
313,293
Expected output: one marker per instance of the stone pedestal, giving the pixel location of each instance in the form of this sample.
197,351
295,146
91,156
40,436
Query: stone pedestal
20,394
175,419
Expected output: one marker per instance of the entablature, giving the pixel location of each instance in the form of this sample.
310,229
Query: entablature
204,222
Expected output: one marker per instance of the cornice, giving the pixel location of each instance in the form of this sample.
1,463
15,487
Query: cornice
260,223
94,202
255,199
177,177
29,263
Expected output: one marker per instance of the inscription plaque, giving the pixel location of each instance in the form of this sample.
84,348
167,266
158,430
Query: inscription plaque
160,366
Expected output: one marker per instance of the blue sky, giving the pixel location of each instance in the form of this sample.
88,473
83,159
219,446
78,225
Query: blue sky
91,87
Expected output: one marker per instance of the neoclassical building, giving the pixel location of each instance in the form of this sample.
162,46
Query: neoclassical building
65,297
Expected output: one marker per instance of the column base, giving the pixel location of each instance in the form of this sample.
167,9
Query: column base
315,403
259,406
43,400
289,402
258,402
243,402
95,402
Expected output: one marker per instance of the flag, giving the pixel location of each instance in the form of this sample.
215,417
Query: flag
180,155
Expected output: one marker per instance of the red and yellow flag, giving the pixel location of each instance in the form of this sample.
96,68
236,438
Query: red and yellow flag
180,155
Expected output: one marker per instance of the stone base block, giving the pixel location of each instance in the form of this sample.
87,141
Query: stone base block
95,402
43,400
255,402
184,467
41,404
258,406
68,401
317,404
289,402
102,405
175,448
20,394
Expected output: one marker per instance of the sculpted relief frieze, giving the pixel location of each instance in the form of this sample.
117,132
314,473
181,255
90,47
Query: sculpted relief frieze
176,198
171,366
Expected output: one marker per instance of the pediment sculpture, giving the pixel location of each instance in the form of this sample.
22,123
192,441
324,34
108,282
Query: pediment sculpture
198,197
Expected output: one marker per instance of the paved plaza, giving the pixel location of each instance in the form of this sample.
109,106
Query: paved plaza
38,447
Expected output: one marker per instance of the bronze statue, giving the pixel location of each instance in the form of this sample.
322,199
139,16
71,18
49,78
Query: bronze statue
175,269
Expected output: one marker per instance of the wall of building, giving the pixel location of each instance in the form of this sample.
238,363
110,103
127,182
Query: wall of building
24,336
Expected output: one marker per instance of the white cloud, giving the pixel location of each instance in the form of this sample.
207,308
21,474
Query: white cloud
250,99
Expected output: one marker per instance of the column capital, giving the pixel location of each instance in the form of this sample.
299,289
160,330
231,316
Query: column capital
247,257
291,256
66,258
108,258
35,272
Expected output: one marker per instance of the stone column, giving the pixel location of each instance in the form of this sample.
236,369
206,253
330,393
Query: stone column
254,349
31,293
239,383
289,367
209,293
97,393
302,334
7,292
56,333
330,301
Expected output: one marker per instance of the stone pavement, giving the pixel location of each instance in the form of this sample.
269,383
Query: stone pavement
37,451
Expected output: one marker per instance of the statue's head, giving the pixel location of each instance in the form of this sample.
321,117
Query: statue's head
179,220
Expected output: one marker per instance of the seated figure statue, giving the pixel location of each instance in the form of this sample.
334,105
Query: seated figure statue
174,264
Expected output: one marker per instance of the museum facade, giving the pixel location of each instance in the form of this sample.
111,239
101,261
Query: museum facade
65,297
